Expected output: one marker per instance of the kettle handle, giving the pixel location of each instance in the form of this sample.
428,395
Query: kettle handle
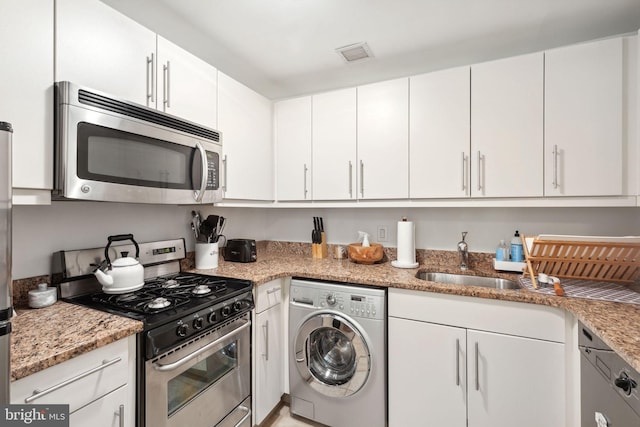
118,238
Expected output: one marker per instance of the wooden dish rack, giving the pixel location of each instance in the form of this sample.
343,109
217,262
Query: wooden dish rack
617,262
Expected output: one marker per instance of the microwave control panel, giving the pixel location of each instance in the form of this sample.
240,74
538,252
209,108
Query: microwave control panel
213,175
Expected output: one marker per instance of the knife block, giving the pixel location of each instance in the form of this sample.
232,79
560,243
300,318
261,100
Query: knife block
320,250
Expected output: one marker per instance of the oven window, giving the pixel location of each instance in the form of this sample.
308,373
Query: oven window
111,155
190,383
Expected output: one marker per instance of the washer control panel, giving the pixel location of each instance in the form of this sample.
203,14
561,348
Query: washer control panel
351,300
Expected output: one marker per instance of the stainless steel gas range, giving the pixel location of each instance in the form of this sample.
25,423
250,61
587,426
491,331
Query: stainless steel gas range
194,354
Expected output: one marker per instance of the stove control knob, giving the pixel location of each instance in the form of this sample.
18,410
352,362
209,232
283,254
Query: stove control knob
331,299
238,305
226,311
198,323
212,317
182,330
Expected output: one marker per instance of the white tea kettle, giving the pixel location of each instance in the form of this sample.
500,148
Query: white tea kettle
124,274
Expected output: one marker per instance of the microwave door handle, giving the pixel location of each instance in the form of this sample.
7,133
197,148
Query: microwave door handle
198,195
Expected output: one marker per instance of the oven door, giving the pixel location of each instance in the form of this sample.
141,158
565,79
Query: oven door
199,384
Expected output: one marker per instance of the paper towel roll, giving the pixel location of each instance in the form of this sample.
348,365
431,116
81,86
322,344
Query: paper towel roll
406,245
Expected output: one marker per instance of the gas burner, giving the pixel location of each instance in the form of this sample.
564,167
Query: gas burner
201,290
125,298
171,283
158,303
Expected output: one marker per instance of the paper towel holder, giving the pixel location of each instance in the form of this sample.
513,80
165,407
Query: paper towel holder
404,263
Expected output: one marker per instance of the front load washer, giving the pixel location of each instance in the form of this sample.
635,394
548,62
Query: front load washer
337,353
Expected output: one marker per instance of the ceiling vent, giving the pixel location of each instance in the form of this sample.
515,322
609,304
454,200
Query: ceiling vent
355,52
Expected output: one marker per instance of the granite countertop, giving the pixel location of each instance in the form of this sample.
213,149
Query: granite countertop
44,337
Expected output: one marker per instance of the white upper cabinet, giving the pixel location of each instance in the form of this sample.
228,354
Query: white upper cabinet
187,86
245,120
334,145
26,85
439,123
100,48
507,127
583,119
293,149
383,140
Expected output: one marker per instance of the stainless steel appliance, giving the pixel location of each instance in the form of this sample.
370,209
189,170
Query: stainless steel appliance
337,355
108,149
609,393
194,355
6,309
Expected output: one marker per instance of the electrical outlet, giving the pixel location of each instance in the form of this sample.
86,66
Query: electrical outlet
383,233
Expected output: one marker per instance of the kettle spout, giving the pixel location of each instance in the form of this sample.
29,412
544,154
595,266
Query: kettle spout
104,279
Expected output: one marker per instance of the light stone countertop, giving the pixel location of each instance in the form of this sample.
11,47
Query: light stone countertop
45,337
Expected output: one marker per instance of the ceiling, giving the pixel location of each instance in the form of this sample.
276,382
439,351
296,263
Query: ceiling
284,48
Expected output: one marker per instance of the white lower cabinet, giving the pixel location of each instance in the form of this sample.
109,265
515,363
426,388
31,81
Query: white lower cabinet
98,386
442,372
268,355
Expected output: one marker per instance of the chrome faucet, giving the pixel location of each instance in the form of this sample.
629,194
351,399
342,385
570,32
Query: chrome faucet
463,248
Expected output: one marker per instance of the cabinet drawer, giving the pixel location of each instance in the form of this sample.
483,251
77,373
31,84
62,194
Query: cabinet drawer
268,295
105,412
78,381
506,317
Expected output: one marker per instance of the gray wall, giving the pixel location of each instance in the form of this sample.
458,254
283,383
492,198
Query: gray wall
39,231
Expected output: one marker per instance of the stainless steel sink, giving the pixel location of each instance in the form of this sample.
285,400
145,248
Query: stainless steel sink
461,279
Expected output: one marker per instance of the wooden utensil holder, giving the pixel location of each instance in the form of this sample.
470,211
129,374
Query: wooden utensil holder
617,262
320,250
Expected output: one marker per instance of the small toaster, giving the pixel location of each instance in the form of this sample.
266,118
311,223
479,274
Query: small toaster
240,250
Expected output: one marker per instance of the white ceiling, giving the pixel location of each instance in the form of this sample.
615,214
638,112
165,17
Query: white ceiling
284,48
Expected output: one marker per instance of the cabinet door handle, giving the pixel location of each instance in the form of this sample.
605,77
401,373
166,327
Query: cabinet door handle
350,180
361,178
266,340
224,165
480,170
273,290
477,366
555,166
464,172
166,72
37,394
151,80
305,181
457,362
120,415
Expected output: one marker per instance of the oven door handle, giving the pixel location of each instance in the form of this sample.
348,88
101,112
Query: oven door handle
197,195
246,416
178,363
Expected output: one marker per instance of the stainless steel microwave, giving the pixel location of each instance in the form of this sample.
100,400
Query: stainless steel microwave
108,149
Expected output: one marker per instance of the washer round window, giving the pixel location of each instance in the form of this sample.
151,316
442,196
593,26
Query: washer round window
332,355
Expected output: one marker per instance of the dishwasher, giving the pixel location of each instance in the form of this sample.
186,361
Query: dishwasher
609,394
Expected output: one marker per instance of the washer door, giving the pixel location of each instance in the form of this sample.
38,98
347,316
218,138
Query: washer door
332,355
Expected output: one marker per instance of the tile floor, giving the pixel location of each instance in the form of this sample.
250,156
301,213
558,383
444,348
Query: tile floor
285,419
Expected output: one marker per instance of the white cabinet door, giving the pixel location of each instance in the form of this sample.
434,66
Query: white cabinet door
107,411
514,381
26,85
334,145
293,148
187,86
245,120
583,119
507,127
439,105
98,47
383,140
269,361
427,374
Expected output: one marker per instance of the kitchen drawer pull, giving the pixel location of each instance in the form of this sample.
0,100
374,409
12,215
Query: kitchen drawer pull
361,178
150,79
457,362
305,181
178,363
555,166
246,417
37,394
350,179
205,173
273,290
477,366
166,71
224,164
120,415
266,340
